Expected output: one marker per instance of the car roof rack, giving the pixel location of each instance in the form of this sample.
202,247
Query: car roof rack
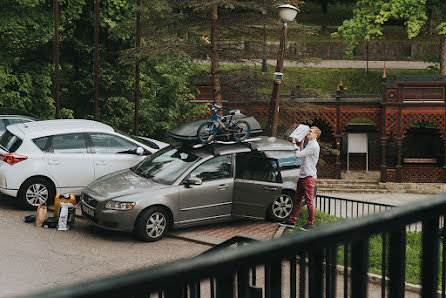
212,147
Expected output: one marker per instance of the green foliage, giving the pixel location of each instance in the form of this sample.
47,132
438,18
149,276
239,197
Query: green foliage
164,99
323,81
338,11
370,16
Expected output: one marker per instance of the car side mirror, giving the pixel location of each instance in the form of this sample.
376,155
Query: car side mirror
139,151
192,181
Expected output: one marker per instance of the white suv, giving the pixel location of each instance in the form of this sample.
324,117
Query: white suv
38,159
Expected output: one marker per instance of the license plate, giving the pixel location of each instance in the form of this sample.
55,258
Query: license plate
88,211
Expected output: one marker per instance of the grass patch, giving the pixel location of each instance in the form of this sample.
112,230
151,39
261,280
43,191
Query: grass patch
321,81
413,248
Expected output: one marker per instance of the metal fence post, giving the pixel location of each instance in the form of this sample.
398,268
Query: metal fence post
360,266
316,273
430,259
225,285
397,262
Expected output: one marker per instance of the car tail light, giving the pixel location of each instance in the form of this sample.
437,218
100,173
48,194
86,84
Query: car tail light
12,158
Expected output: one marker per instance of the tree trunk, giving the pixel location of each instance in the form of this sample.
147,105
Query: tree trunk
216,88
96,60
324,20
137,45
443,55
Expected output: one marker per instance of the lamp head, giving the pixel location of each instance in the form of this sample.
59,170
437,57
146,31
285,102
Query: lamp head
287,12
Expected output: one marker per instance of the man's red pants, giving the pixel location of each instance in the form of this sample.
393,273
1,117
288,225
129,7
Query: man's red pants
305,190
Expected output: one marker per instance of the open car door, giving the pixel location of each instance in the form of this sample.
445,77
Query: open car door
257,183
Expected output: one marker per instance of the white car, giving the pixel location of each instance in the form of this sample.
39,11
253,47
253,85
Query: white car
42,158
6,120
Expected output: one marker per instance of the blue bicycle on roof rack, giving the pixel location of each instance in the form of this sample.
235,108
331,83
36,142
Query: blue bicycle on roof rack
223,127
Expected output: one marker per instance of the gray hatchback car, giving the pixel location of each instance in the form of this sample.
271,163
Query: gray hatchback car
183,186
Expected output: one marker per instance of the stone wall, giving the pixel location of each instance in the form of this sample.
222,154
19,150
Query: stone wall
378,50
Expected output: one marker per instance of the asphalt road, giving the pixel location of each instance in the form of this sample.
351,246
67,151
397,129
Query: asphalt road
34,259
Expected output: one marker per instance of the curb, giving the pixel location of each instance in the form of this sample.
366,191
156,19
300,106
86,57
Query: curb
212,241
377,279
194,237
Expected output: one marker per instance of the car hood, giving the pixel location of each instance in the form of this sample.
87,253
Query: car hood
121,183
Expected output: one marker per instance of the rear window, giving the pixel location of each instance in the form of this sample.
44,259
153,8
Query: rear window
2,126
41,142
10,142
287,159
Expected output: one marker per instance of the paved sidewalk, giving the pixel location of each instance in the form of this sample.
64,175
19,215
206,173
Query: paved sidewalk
390,198
346,64
218,233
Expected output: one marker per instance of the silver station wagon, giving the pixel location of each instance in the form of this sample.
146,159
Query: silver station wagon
183,186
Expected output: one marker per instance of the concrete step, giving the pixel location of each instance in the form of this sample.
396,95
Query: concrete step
357,190
347,181
351,185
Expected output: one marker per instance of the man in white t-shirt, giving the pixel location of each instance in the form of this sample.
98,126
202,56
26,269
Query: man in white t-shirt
307,178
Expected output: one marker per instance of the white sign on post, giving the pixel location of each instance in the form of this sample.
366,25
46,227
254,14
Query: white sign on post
357,143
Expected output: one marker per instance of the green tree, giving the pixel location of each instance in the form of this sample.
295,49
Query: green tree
370,16
25,28
203,29
164,101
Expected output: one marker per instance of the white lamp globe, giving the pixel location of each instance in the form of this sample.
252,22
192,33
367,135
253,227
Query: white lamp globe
287,12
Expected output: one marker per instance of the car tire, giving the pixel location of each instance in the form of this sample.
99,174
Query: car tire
34,192
281,207
152,224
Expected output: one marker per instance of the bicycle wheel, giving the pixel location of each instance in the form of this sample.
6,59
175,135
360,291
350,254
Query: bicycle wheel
241,131
206,132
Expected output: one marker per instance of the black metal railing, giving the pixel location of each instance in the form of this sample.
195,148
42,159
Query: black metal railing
348,208
300,265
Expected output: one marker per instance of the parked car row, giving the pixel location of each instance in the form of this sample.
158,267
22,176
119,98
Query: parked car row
141,185
43,158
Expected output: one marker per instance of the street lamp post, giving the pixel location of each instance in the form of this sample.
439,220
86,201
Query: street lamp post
287,13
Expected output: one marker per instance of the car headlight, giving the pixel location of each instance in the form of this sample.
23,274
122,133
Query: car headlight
119,205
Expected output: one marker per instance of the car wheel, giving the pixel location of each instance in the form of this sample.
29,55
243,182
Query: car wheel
281,206
34,192
152,224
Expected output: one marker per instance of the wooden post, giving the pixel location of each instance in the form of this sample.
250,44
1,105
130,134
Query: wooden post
383,133
399,165
443,179
383,166
338,133
399,136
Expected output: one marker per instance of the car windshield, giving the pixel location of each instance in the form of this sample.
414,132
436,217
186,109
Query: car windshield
166,165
